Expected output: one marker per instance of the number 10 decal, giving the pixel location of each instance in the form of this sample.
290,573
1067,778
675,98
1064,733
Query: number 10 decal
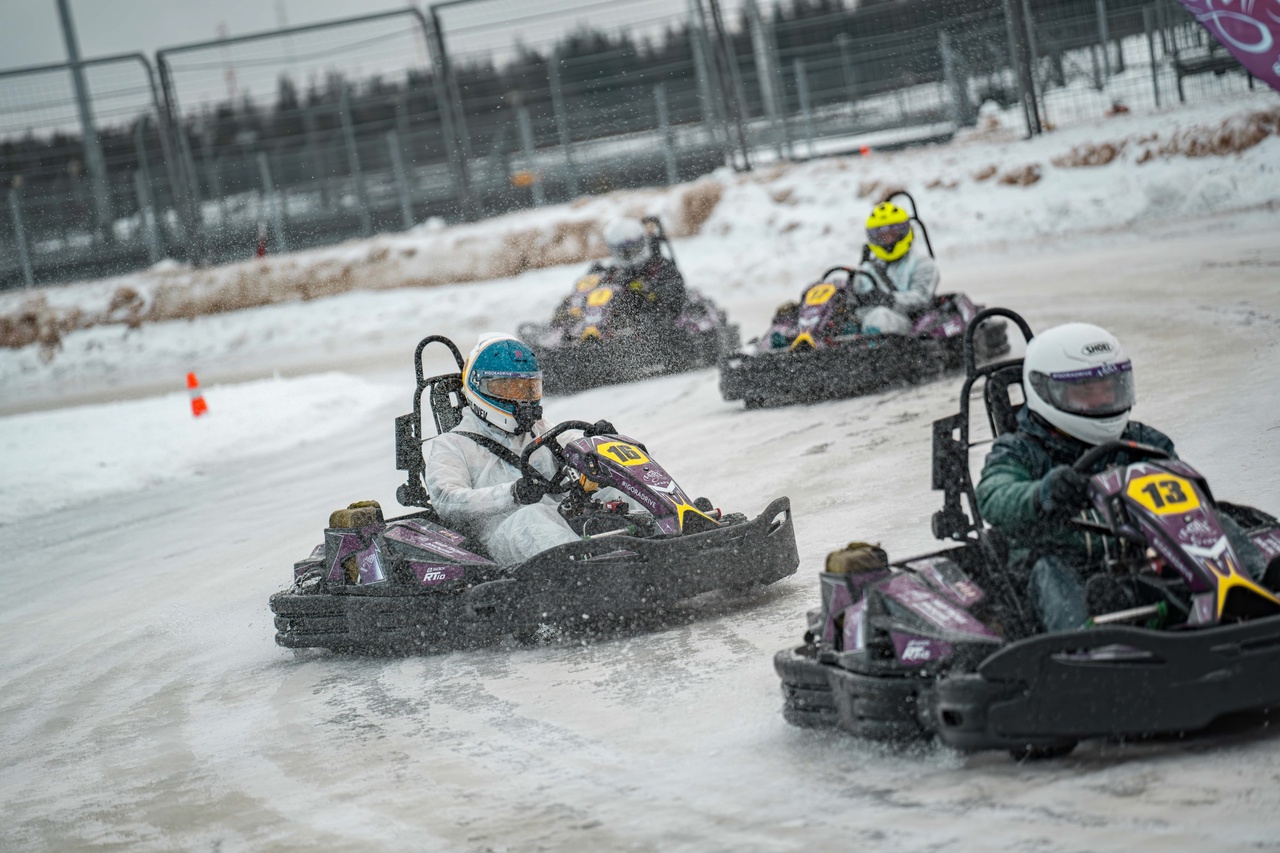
620,451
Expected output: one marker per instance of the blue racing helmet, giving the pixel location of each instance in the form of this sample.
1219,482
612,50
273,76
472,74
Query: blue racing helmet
503,383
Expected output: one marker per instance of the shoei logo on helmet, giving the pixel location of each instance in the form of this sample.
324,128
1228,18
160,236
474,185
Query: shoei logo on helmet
1095,348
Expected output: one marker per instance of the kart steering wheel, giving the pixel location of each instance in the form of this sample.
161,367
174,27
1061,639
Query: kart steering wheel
1133,448
876,284
555,484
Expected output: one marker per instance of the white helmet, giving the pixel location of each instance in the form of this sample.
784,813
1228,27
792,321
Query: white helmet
628,242
1078,378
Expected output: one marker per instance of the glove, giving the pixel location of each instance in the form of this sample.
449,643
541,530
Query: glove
874,298
1063,491
600,427
528,492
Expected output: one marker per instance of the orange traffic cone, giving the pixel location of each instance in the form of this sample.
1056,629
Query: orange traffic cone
198,405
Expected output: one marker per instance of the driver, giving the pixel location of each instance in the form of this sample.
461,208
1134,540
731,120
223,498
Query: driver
472,472
636,261
908,278
1078,384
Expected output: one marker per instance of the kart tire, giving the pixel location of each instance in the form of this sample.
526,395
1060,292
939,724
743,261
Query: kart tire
807,719
809,699
287,604
878,707
799,667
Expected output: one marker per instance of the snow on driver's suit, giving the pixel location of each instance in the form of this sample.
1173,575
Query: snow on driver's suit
471,489
913,279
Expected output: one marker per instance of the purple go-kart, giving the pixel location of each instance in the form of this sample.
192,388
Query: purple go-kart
412,584
601,334
944,645
813,349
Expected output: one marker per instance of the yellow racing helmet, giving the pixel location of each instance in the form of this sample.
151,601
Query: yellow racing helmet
889,231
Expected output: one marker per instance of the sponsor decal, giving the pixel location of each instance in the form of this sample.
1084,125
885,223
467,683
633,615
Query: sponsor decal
1200,533
1095,348
429,574
429,540
1268,543
917,650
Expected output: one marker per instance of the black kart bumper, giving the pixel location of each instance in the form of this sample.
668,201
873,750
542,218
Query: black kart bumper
1042,691
596,584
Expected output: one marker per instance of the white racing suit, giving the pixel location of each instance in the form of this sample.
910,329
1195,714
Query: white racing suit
912,279
470,486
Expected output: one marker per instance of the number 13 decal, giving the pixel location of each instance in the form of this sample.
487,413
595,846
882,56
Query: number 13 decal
1163,494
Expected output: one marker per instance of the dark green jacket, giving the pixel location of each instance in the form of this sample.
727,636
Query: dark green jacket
1009,490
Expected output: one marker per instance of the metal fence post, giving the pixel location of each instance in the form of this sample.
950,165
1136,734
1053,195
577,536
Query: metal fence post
962,112
1104,36
668,139
526,142
708,80
273,200
1020,64
562,121
146,216
353,159
1151,48
802,87
766,76
725,49
142,179
20,237
440,75
402,180
94,160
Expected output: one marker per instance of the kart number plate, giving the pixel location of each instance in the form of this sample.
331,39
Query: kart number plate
820,294
600,297
621,452
1163,494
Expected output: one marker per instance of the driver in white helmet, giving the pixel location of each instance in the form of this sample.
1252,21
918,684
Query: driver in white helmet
1078,384
472,473
636,261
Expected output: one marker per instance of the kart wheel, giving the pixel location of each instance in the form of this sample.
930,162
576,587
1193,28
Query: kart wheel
754,402
1041,752
810,719
878,707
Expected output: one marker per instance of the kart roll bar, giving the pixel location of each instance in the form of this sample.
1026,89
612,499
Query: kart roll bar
914,217
409,435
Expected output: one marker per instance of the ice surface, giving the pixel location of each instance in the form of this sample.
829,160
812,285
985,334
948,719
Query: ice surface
144,705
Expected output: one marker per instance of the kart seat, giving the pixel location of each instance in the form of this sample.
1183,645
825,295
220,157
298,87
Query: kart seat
1002,405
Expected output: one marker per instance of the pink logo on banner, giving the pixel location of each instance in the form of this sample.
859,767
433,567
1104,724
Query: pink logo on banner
1250,29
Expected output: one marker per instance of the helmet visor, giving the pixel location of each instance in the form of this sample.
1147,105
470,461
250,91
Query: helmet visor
629,251
1094,392
888,236
521,388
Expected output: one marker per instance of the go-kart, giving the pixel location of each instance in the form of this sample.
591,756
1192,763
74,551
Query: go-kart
814,349
413,584
603,332
944,644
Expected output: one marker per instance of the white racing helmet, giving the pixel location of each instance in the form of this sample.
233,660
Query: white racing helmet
1078,378
628,242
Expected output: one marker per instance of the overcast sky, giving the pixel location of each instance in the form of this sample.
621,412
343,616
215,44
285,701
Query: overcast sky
30,34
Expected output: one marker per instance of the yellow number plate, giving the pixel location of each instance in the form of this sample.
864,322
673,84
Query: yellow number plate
600,297
621,452
820,294
588,282
1164,494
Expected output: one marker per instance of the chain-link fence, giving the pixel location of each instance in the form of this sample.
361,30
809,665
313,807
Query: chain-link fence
311,135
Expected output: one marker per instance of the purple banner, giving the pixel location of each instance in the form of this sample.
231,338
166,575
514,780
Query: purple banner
1250,29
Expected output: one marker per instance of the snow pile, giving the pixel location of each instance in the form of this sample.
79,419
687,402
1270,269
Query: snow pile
424,257
126,447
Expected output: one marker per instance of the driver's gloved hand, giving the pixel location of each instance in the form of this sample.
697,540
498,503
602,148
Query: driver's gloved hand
1063,491
600,427
877,297
527,491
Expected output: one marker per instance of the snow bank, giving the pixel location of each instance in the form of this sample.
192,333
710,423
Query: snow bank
65,457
